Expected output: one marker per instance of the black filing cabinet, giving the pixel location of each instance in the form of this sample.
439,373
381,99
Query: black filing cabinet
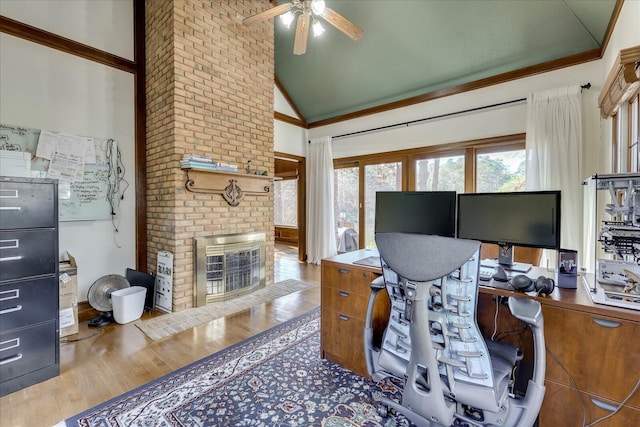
29,330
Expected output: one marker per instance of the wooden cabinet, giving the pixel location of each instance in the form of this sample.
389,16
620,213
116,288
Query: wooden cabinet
602,354
345,296
29,340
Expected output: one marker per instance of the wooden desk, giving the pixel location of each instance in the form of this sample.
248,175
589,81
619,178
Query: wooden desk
599,345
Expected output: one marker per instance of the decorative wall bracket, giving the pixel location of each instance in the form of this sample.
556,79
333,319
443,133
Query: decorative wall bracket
232,186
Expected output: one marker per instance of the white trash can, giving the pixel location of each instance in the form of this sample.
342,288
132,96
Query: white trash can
128,303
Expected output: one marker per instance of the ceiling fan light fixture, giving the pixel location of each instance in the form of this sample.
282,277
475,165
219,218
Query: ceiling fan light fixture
318,29
318,7
287,19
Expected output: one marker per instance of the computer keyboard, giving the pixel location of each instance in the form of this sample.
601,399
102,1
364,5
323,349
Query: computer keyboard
486,273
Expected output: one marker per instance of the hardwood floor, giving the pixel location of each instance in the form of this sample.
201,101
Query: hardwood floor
120,357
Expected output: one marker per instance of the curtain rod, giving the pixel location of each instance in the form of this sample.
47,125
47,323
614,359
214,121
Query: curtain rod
440,116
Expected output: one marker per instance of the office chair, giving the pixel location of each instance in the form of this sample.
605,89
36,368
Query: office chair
432,344
348,241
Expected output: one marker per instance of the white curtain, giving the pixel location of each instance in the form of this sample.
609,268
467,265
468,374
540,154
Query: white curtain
321,226
554,155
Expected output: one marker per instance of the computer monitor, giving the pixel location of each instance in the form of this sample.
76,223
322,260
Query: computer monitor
423,212
529,218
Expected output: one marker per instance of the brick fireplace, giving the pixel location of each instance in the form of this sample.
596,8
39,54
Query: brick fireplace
209,91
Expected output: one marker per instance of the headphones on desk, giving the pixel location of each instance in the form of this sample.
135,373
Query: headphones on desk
542,285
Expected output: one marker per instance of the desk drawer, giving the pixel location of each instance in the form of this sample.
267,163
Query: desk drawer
351,305
601,353
27,302
343,337
27,205
25,253
562,407
27,350
353,281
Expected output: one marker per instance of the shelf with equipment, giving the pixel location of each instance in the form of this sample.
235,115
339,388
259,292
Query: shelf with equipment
231,185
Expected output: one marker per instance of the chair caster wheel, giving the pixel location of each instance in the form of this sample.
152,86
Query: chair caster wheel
383,411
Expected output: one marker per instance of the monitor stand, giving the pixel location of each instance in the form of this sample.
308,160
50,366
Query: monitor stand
505,260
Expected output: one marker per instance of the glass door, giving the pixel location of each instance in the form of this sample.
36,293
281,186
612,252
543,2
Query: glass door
378,177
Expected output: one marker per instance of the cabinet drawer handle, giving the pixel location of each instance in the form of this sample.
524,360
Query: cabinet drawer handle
10,208
606,323
10,294
344,294
604,405
8,194
10,244
11,310
11,359
10,258
344,270
9,344
343,317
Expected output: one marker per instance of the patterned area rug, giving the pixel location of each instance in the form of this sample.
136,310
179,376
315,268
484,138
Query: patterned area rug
274,379
169,324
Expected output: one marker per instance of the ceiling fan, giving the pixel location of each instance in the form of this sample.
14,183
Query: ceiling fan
308,10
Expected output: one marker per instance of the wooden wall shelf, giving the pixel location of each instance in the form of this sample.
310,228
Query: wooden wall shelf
232,186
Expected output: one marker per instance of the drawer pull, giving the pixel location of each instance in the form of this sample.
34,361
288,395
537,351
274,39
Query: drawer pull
344,270
10,244
11,359
606,323
10,208
11,310
9,344
10,258
343,317
8,295
8,194
344,294
604,405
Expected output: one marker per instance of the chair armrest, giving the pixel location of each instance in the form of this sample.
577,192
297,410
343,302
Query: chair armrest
378,283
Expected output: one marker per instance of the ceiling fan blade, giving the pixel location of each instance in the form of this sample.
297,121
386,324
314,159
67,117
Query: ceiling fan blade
302,34
267,14
343,24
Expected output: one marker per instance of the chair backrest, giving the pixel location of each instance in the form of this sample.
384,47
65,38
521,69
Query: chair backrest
432,341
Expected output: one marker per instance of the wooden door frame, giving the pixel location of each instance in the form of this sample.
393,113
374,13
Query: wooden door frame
302,202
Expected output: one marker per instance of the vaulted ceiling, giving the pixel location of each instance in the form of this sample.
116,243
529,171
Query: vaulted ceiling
415,47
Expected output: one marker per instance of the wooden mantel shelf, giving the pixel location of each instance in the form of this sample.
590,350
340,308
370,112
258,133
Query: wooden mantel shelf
232,186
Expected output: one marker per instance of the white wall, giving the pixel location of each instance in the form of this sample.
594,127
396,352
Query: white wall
106,24
288,138
44,88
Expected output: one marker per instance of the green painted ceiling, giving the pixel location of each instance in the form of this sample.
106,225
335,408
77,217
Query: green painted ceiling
414,47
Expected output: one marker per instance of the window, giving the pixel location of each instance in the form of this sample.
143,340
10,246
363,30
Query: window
444,173
285,194
626,130
487,165
346,202
619,100
378,177
500,171
634,133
